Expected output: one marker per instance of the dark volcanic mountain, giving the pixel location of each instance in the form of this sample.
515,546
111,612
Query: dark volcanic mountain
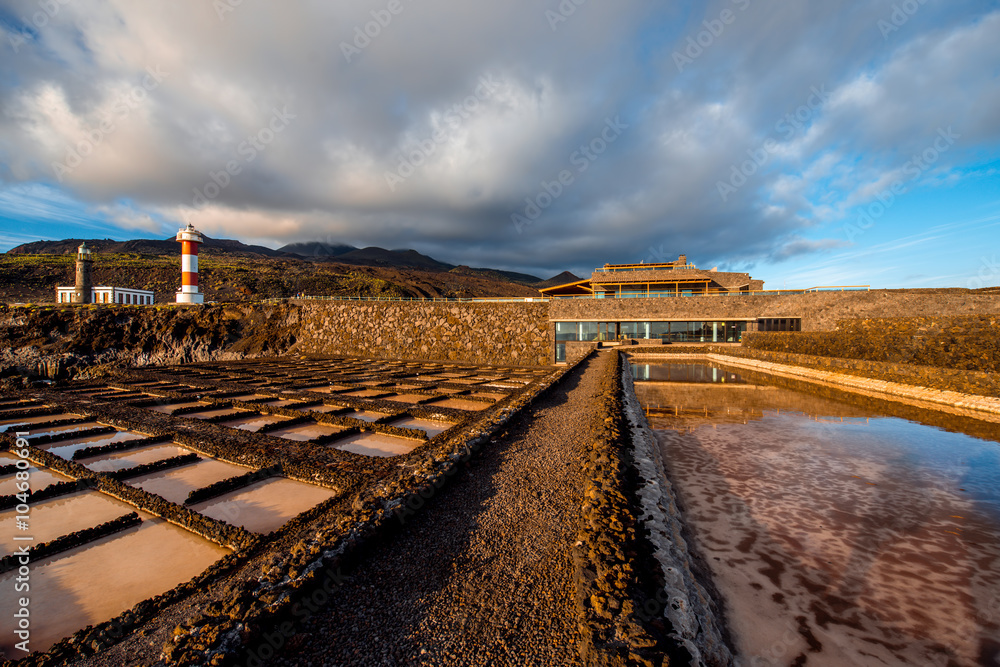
403,259
561,279
142,247
317,249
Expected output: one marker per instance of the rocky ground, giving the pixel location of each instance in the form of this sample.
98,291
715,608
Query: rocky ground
484,575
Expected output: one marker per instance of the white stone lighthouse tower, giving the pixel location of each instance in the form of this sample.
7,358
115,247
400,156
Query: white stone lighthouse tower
189,239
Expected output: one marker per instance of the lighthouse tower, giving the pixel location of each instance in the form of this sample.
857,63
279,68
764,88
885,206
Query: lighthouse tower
84,285
189,239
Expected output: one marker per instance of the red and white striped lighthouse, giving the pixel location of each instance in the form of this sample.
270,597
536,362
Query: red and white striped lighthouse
190,239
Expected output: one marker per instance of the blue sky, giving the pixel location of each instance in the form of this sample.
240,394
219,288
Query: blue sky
810,143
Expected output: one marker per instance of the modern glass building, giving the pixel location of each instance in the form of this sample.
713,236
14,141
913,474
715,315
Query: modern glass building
675,332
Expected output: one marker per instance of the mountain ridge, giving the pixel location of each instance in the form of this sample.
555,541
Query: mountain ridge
318,251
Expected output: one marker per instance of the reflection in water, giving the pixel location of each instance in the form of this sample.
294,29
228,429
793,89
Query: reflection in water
700,373
98,581
837,535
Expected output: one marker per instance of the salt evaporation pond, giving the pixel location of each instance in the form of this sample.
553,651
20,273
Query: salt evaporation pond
264,506
376,444
168,408
366,416
407,398
430,426
175,484
217,412
324,408
65,428
60,516
303,432
97,581
38,479
133,457
66,448
836,534
12,424
253,422
459,403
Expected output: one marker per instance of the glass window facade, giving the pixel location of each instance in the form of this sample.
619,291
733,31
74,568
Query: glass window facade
679,332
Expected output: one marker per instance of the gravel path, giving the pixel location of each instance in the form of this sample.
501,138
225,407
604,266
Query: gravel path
483,575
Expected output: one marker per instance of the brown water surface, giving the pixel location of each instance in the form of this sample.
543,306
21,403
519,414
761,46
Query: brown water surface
10,424
429,426
217,412
303,432
175,484
253,422
98,581
134,457
65,428
376,444
412,399
38,479
460,404
60,516
366,416
66,448
266,505
837,534
168,408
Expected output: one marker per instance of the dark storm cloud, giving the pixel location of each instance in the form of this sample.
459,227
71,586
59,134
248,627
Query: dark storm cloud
438,125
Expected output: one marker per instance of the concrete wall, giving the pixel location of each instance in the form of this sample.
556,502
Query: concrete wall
820,311
483,333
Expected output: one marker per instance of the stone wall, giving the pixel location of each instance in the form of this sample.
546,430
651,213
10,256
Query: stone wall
820,311
965,343
517,334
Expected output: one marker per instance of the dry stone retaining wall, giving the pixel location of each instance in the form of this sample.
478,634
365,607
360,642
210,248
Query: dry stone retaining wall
970,343
820,311
516,334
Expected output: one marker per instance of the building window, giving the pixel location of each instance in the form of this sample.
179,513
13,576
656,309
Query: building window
567,331
560,353
588,331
